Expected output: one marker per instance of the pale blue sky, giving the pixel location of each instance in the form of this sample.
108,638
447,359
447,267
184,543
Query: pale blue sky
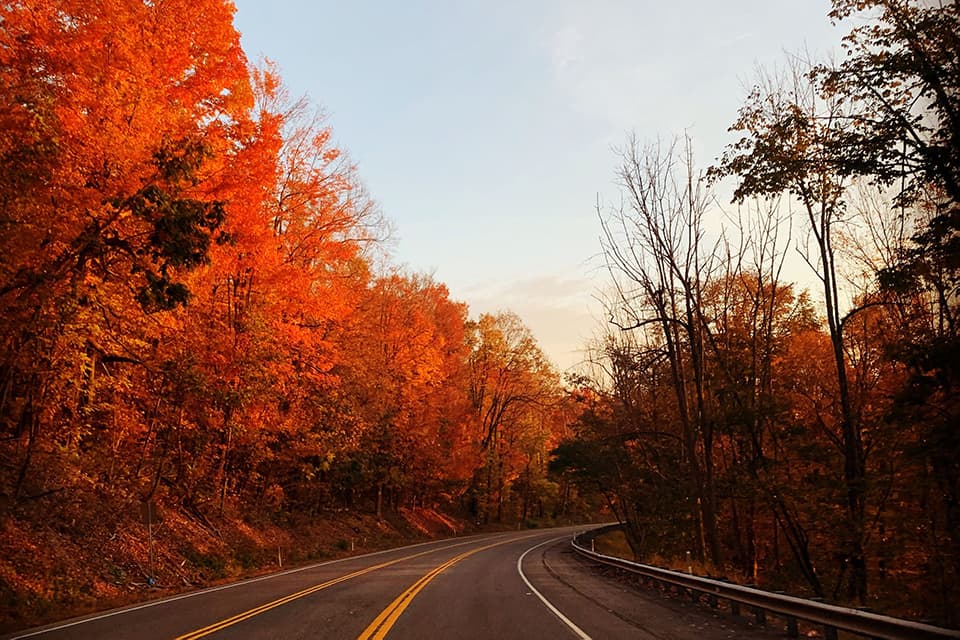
485,129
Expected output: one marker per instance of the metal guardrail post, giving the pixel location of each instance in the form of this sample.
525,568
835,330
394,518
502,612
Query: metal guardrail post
761,615
792,631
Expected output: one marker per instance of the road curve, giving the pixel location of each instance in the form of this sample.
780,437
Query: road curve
524,585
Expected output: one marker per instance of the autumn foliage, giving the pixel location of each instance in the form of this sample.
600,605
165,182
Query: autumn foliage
197,311
803,439
194,306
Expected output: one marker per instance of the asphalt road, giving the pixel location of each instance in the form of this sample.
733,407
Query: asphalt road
525,585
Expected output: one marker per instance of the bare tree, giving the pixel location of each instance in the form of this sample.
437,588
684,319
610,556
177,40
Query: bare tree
654,244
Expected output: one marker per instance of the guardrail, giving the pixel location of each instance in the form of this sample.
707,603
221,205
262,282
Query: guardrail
791,609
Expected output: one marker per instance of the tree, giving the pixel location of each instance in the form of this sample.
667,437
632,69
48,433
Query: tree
116,120
655,250
790,143
901,78
405,353
889,113
510,379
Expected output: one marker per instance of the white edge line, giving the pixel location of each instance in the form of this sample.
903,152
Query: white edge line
576,630
201,592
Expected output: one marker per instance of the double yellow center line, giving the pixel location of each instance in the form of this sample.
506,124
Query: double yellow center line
246,615
382,624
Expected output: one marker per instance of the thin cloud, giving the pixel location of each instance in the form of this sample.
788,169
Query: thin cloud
548,291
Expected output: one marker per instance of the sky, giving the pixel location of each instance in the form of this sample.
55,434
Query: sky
486,130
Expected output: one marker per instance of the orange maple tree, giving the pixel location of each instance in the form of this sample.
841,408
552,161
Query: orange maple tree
113,116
